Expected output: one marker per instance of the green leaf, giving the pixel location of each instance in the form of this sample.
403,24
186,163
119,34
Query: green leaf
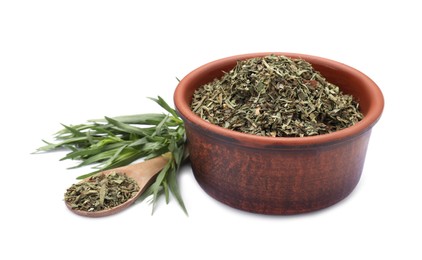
175,189
166,191
100,157
141,119
161,126
158,183
116,154
138,142
107,140
51,146
72,130
126,128
164,105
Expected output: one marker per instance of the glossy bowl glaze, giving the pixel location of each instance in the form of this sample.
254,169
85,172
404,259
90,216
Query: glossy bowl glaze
279,175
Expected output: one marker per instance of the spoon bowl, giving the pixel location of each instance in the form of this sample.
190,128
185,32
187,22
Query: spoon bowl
142,173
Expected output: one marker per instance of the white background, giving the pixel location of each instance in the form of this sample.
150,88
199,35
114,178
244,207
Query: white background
69,61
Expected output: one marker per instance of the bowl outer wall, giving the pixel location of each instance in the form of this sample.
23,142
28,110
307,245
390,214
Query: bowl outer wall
279,175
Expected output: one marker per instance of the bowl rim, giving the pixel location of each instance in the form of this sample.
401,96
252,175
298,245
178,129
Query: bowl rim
370,119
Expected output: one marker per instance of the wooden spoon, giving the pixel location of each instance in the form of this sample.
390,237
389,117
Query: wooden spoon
143,173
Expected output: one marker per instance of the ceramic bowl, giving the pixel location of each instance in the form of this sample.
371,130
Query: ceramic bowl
279,175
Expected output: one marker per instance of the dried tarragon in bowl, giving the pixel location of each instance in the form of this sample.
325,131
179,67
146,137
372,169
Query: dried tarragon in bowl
101,191
275,96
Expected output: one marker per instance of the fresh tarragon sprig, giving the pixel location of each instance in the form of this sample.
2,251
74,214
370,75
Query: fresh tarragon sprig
118,141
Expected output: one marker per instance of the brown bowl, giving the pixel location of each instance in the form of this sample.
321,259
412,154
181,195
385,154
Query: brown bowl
279,175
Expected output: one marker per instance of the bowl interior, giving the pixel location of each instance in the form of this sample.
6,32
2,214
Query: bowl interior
348,79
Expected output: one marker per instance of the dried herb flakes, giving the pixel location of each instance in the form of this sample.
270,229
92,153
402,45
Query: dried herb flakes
275,96
101,192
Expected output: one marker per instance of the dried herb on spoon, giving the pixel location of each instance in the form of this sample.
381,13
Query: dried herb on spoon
101,191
